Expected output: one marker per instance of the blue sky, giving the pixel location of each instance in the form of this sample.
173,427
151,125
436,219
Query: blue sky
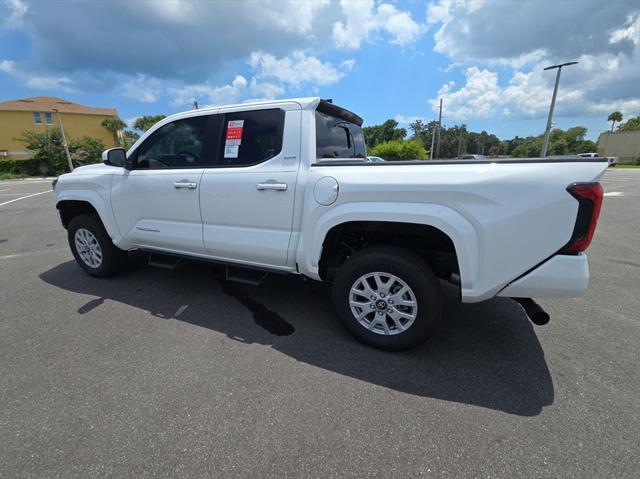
381,59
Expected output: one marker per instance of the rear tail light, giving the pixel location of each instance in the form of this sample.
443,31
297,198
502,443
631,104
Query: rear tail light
589,196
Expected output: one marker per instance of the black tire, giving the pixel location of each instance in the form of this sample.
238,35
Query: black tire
113,258
410,269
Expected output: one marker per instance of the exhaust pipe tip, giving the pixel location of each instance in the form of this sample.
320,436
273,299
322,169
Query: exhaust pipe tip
534,311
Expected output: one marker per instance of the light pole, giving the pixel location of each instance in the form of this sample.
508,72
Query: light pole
64,141
545,143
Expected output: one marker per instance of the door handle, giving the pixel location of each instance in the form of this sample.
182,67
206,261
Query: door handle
191,185
271,186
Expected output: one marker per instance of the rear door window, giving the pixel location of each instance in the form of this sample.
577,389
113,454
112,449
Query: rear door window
250,137
338,138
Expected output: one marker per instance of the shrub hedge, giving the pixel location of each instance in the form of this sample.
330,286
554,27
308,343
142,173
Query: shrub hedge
20,167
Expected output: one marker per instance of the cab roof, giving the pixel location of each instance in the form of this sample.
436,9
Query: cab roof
307,103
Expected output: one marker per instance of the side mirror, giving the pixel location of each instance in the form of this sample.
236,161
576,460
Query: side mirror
115,157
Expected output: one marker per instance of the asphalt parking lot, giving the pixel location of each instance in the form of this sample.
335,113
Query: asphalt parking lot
162,373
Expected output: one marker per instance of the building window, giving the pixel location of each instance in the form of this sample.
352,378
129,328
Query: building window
48,118
36,117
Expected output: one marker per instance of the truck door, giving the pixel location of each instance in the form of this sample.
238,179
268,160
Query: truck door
157,204
247,198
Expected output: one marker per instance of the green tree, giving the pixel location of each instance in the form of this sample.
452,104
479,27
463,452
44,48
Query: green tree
494,151
129,137
388,131
418,128
397,150
613,117
630,125
145,122
46,148
86,150
114,125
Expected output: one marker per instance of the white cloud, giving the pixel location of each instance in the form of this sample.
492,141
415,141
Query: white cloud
408,119
13,12
528,94
234,92
8,67
131,121
480,36
296,69
36,81
363,19
272,76
47,82
142,88
348,65
476,99
630,31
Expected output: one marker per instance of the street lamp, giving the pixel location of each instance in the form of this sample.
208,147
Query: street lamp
545,143
64,140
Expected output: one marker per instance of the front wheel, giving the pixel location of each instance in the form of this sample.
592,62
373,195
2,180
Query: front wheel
92,247
387,297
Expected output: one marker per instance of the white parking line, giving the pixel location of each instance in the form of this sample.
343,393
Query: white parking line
614,193
24,197
32,253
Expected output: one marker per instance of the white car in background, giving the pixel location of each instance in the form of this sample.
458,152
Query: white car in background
611,160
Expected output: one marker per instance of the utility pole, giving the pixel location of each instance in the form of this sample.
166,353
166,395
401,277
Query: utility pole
64,140
433,135
460,131
439,127
545,143
433,140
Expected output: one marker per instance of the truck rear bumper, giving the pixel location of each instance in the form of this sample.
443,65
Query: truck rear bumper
562,276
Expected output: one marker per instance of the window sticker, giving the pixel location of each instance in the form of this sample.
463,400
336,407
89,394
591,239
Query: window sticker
231,151
234,138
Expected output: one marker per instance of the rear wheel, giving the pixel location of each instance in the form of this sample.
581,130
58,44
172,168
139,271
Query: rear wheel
387,297
92,247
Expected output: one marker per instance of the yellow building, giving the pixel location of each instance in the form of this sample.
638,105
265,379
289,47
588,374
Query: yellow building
41,112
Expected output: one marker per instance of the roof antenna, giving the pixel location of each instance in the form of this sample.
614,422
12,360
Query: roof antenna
195,104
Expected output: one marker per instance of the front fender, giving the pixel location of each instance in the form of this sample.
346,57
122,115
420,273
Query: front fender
100,204
465,238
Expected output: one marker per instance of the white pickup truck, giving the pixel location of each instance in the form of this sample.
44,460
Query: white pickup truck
284,186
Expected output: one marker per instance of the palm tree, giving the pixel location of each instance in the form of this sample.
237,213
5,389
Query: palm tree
114,125
613,117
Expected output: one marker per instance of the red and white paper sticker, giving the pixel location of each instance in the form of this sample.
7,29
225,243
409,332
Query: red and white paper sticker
234,132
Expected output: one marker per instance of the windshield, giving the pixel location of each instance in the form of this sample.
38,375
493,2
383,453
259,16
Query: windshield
338,138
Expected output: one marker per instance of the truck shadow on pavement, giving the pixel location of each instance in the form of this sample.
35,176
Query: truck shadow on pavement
484,354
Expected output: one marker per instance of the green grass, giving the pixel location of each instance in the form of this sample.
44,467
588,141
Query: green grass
11,176
627,166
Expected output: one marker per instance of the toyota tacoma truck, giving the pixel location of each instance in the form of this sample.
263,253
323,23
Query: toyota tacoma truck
284,187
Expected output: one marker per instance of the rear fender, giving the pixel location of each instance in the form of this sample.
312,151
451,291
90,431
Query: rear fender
462,233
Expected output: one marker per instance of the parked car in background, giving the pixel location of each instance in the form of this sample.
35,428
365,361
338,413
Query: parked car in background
611,160
472,157
375,159
282,186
